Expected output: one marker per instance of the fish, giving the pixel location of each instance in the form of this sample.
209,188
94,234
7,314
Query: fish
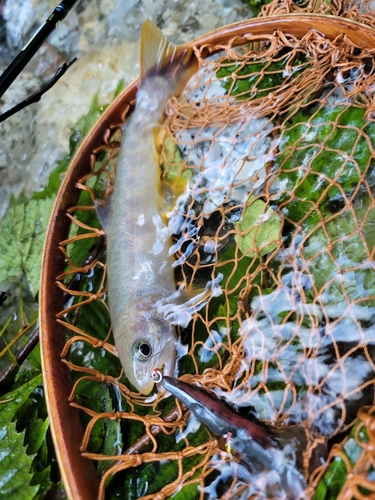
139,267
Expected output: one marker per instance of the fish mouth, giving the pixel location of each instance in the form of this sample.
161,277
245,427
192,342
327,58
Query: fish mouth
145,385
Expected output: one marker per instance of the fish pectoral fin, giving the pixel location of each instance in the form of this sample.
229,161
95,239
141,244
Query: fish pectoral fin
193,295
179,307
196,294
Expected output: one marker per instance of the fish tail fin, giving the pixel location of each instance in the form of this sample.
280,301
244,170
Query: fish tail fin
159,56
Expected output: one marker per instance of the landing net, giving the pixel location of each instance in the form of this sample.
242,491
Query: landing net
268,165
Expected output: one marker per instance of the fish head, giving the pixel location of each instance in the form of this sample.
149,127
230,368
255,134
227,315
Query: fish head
145,342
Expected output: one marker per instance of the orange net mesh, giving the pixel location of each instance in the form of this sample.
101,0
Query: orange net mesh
268,167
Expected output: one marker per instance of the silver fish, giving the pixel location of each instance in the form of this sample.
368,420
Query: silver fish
140,272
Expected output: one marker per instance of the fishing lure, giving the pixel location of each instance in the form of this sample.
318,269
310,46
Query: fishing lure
258,448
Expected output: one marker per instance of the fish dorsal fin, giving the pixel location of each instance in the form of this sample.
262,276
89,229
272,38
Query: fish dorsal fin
155,47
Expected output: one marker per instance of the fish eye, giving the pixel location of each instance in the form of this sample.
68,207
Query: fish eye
142,350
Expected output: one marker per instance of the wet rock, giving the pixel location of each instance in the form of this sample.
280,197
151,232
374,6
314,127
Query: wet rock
46,62
104,34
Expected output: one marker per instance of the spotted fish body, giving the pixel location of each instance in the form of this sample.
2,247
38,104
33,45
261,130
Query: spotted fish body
140,269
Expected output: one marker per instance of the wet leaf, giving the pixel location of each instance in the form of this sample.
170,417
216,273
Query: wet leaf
334,479
259,229
330,146
79,250
21,241
188,492
15,464
235,267
17,398
35,434
35,359
54,181
42,479
86,122
338,255
24,376
112,440
94,320
256,80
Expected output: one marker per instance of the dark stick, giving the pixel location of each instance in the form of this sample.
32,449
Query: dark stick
30,49
38,94
21,355
155,430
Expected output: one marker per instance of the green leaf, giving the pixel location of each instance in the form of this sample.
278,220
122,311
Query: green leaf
54,181
94,320
43,454
97,433
338,255
23,376
235,267
79,250
188,492
112,441
120,87
259,78
332,145
34,358
258,3
15,464
85,123
35,434
42,479
259,229
333,480
106,435
21,241
17,398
